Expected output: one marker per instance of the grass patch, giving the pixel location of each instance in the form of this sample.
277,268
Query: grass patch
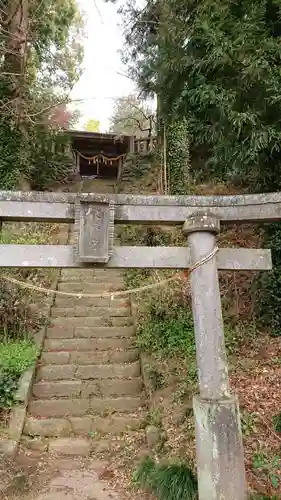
18,318
30,238
277,422
268,467
167,482
168,333
263,497
156,378
15,358
19,315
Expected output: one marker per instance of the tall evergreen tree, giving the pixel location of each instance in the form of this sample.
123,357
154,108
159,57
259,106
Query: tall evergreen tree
216,63
39,64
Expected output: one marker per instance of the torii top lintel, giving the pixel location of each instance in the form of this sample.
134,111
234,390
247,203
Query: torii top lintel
141,209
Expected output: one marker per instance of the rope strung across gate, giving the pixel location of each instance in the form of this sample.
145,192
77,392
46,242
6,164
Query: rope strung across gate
94,158
118,293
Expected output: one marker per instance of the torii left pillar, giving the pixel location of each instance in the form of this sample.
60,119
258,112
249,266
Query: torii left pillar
219,447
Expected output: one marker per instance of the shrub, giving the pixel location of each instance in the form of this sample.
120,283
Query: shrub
262,497
15,358
276,420
168,334
17,316
135,168
167,482
270,283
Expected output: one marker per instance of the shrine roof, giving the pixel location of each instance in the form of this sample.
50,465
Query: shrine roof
97,136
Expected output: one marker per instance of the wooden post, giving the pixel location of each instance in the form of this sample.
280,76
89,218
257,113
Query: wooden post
165,160
219,447
119,168
132,144
77,169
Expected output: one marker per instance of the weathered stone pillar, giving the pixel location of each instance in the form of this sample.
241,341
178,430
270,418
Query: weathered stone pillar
219,447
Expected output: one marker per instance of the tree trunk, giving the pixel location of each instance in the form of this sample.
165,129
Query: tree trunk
16,23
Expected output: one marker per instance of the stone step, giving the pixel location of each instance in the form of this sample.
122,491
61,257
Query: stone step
89,357
93,311
70,447
104,357
79,388
87,344
91,271
81,426
64,301
78,407
83,447
90,278
94,287
55,358
88,372
74,322
103,332
112,273
85,287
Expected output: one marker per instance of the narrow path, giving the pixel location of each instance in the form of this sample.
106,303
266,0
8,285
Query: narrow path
87,398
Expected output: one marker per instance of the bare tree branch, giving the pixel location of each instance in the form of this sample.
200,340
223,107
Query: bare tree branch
135,120
48,108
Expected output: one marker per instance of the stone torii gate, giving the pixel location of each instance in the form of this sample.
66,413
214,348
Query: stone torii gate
220,460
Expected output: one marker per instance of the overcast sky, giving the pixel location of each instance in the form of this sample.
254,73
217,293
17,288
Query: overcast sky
100,81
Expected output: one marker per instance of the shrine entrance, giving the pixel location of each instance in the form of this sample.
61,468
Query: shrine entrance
98,155
98,169
219,446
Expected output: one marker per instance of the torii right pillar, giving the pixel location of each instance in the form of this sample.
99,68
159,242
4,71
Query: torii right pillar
219,447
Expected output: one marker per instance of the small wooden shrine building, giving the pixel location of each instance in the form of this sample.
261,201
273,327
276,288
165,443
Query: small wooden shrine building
97,155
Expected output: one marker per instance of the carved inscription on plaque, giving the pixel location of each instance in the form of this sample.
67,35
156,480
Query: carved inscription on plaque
94,231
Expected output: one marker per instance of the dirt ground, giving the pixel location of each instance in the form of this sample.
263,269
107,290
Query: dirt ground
37,476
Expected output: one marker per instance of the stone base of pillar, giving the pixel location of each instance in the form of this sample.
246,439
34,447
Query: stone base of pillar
219,449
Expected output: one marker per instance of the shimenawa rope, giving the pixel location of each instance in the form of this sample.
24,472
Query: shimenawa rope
118,293
104,158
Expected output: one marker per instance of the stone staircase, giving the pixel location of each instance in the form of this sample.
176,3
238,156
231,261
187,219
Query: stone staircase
88,386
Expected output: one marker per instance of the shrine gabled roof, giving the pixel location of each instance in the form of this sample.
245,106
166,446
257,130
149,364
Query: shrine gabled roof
96,136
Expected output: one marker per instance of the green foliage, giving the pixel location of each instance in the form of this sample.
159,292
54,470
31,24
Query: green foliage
178,155
217,64
14,157
164,315
15,358
27,237
135,168
48,159
144,235
262,497
31,92
277,422
32,158
18,318
248,423
167,332
269,299
156,378
268,467
167,482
